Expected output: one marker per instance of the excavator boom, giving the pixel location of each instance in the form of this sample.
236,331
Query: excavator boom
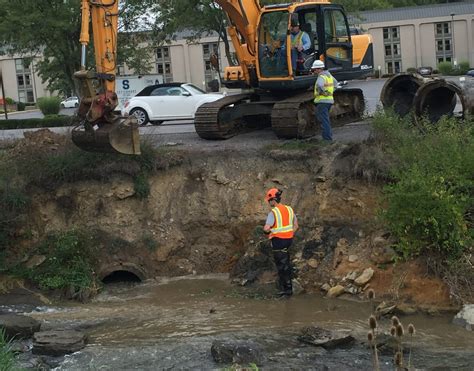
100,128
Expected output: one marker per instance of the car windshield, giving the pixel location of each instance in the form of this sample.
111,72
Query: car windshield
194,89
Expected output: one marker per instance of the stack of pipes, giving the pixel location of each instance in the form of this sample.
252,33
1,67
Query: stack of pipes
431,97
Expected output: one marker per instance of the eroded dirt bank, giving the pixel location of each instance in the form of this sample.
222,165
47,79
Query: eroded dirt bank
204,209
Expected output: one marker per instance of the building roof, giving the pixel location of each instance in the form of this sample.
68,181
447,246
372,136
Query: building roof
416,12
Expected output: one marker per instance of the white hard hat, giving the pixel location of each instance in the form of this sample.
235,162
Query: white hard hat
317,64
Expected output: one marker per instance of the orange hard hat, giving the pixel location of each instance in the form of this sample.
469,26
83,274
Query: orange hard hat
272,194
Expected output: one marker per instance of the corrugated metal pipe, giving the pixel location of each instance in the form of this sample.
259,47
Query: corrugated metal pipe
428,97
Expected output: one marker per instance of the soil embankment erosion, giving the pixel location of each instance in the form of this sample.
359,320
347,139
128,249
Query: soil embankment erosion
184,211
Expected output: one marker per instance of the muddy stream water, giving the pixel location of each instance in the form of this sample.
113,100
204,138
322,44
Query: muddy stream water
171,324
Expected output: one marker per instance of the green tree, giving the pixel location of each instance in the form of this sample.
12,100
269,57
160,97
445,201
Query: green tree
51,29
199,17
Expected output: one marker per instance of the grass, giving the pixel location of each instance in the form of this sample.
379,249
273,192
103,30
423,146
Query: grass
7,357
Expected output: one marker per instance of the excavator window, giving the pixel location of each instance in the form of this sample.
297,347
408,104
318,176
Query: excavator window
338,54
272,37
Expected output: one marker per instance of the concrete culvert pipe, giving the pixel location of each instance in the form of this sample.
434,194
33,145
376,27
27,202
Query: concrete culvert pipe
438,98
399,91
121,272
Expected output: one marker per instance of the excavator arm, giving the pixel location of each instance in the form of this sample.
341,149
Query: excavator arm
244,16
100,128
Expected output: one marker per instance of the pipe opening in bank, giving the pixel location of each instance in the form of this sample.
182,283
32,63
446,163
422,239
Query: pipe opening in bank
121,276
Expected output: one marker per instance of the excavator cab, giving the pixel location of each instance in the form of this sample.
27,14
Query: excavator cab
327,37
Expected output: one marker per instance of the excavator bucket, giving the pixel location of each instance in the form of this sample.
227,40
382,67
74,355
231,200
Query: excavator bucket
120,136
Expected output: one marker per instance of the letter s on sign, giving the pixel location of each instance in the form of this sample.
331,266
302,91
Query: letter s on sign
125,84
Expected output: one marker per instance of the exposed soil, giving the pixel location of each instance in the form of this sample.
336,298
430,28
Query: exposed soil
203,213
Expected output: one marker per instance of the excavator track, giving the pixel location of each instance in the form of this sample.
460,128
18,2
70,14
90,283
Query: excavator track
294,117
210,121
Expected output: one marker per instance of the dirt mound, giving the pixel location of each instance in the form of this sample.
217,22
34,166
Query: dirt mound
39,141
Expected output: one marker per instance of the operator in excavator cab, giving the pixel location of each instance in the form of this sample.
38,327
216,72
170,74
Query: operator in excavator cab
300,42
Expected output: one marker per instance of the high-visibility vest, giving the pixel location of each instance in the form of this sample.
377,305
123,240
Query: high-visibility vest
297,40
283,225
328,87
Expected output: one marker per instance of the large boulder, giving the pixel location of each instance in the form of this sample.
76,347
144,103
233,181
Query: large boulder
58,343
336,291
241,352
327,339
465,317
18,326
365,277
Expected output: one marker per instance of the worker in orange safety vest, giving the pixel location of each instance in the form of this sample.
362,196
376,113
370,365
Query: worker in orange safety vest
281,225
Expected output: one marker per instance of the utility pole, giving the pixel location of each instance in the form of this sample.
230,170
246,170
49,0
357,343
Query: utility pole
452,38
3,96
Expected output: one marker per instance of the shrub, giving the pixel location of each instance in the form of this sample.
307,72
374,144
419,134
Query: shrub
463,67
49,105
9,100
21,106
445,68
429,202
411,70
427,215
14,203
50,121
69,265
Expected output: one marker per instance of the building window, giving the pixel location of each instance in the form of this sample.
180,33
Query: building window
443,29
24,82
443,42
393,52
394,67
163,63
120,70
211,56
391,34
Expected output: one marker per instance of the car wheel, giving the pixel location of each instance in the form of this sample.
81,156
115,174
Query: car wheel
141,115
62,106
76,105
157,123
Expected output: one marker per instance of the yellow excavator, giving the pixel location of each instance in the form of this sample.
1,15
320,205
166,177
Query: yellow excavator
275,92
100,128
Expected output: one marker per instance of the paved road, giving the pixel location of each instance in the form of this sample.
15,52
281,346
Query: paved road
371,88
183,132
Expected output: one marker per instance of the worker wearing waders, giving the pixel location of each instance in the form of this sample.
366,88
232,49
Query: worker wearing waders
323,97
281,225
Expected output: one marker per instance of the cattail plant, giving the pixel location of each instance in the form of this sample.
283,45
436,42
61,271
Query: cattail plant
399,332
411,332
371,297
371,336
398,360
393,331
